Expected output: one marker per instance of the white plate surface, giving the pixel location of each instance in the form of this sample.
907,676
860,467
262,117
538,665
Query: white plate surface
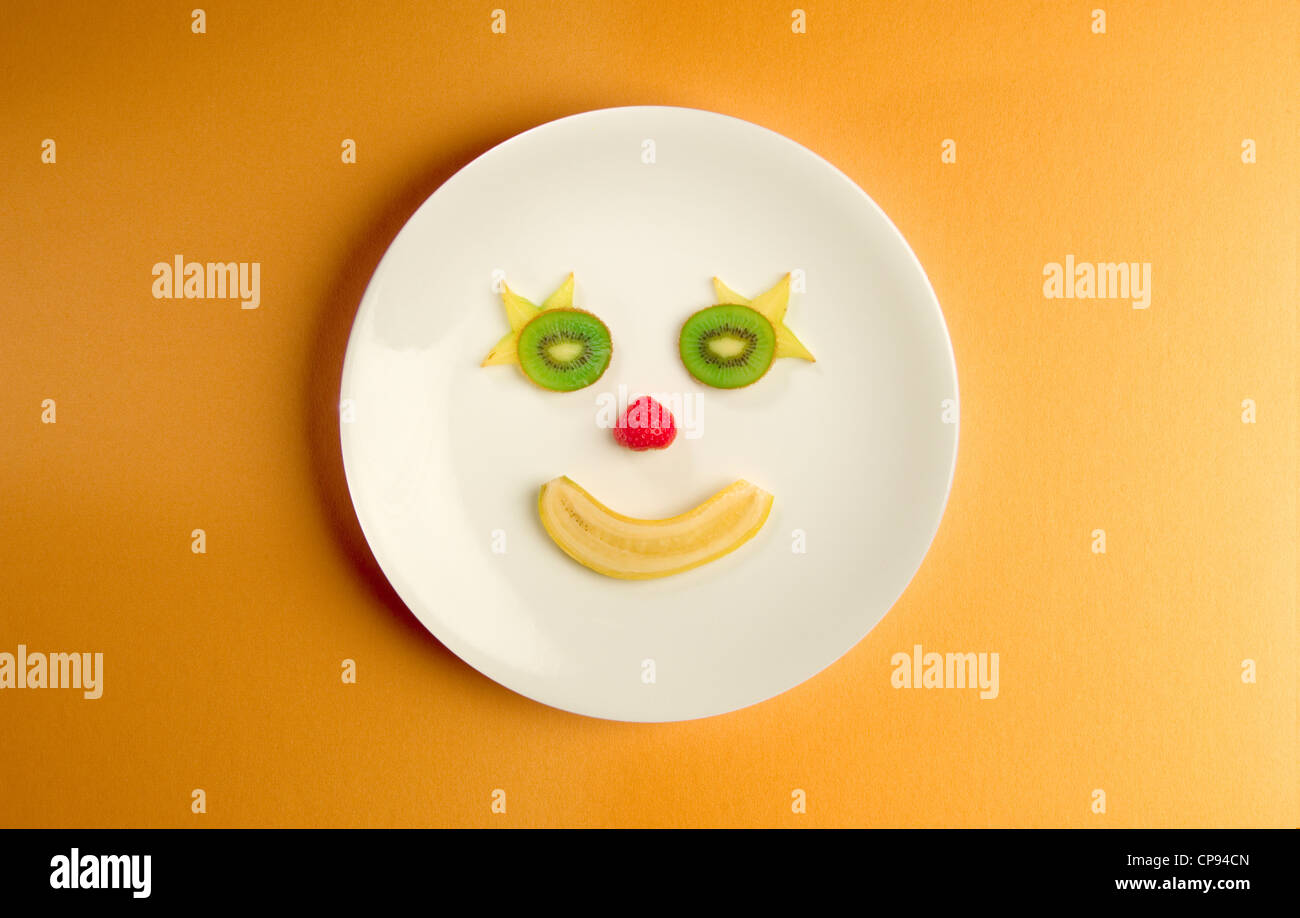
444,458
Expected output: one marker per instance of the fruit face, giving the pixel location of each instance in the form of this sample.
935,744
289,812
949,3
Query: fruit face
727,346
634,549
564,349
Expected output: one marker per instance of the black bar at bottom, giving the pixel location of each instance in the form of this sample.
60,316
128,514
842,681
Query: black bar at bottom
334,867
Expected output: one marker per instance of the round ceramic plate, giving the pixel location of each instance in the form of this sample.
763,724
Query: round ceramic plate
645,205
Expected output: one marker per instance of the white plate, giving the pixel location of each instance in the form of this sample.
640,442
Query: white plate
444,458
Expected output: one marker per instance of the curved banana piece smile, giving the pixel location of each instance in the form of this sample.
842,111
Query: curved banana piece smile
635,549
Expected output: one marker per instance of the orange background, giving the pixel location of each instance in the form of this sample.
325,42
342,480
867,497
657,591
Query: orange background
222,671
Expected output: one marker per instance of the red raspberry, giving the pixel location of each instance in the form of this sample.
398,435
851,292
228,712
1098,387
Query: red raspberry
646,425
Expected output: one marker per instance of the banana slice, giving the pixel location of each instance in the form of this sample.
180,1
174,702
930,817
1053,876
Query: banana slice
634,549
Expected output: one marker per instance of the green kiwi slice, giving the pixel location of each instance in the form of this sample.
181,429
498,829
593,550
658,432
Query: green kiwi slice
564,349
727,346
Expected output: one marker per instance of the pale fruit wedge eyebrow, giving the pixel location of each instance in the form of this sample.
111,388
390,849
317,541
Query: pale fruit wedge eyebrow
562,298
641,549
772,304
518,313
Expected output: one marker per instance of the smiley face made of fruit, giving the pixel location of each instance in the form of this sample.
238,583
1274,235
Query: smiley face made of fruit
727,346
